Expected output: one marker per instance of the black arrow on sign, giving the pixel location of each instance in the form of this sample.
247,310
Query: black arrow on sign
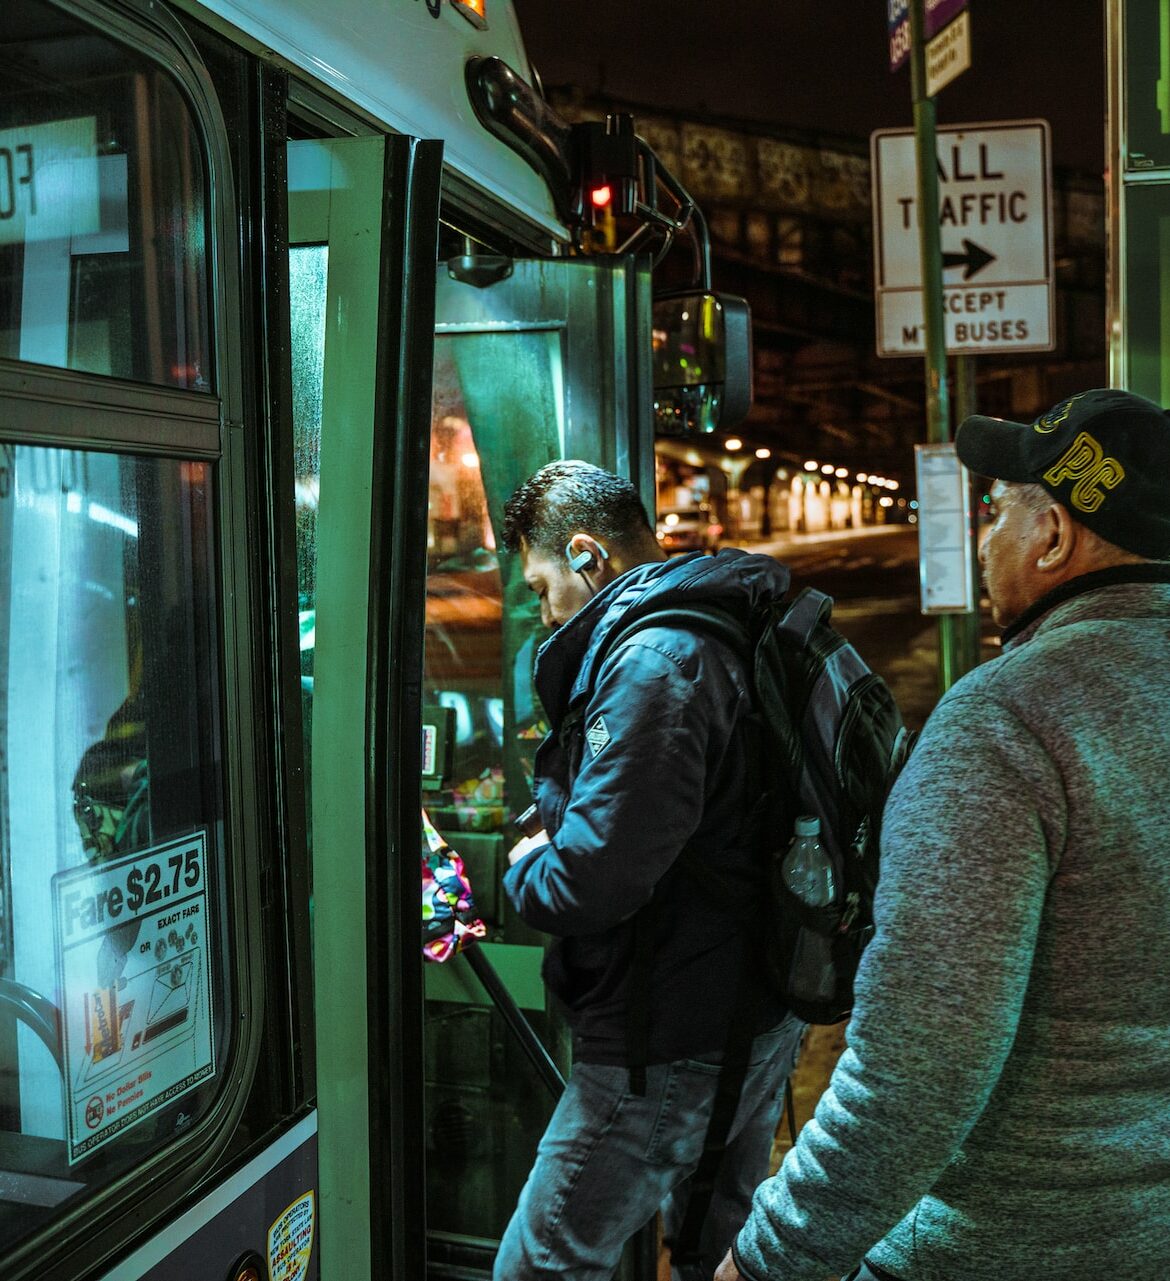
973,258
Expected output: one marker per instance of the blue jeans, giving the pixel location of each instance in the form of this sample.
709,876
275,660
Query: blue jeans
610,1159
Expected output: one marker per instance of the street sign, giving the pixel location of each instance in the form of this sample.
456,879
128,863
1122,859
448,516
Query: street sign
995,196
948,54
938,14
945,570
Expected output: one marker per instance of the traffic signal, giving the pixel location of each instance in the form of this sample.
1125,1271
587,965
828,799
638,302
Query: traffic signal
605,168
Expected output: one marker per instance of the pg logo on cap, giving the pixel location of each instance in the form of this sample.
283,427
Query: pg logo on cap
1085,463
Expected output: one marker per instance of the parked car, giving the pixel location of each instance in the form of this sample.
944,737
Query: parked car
688,529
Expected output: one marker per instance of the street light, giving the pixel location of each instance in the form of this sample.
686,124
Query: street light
812,465
763,453
732,443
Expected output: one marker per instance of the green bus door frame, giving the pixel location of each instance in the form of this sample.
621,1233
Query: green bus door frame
374,203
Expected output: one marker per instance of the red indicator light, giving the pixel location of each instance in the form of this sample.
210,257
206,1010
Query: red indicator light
601,196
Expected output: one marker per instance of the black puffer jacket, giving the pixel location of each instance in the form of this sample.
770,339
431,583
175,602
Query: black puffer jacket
649,753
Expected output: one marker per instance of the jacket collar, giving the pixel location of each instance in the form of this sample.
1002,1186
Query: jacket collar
734,579
1036,615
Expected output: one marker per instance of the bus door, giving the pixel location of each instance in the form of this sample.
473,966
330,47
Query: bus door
363,219
550,361
130,848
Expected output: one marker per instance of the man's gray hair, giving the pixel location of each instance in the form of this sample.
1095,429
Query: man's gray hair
1038,500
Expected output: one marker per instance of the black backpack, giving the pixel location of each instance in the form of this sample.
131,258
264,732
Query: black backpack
834,742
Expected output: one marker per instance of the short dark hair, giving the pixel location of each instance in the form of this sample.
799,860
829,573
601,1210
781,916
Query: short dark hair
569,497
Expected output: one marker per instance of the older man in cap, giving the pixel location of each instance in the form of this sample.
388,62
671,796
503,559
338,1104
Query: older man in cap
1002,1112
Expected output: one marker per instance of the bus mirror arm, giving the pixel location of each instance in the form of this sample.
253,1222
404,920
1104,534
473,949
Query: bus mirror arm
512,111
687,215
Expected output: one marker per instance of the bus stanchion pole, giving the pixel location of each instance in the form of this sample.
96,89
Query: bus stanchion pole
530,1043
641,1261
969,629
938,409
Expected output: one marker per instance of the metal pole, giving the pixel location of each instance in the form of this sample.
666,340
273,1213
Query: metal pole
521,1029
640,1259
968,623
938,409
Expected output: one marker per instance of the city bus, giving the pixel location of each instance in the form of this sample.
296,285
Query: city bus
291,297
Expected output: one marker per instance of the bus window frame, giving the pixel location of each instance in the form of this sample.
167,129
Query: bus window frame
75,410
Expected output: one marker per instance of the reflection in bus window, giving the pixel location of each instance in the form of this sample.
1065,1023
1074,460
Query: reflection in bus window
495,419
102,208
113,1010
308,268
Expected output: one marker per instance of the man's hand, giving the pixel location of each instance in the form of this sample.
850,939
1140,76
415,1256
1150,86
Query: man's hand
526,845
727,1270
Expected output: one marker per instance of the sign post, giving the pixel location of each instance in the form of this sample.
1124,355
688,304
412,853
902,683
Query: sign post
938,411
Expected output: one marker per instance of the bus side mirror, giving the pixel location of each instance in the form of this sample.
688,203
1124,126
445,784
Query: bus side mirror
702,350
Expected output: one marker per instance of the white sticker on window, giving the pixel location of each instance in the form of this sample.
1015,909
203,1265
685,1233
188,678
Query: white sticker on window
132,939
49,181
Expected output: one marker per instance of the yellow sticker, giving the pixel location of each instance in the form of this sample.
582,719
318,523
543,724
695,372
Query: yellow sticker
290,1240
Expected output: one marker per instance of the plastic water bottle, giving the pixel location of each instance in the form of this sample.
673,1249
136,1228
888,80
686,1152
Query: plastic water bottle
807,872
807,869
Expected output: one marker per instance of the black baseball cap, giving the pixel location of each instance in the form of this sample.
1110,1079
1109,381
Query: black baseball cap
1102,454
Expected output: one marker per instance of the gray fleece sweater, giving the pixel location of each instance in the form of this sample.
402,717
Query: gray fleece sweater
1002,1112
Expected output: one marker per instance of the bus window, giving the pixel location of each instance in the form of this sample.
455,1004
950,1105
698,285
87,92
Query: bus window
1147,274
1147,64
114,1012
102,208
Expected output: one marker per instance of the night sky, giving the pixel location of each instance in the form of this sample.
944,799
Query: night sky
823,64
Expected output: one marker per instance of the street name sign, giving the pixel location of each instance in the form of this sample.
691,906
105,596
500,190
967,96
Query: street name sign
948,54
995,198
938,14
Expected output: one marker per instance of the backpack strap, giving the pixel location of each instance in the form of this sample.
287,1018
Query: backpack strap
639,1000
809,609
742,1030
704,618
684,1246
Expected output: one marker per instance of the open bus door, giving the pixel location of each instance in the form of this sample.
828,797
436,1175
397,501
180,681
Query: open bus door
363,209
534,361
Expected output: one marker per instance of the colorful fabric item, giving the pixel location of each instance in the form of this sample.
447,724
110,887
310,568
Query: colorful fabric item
448,906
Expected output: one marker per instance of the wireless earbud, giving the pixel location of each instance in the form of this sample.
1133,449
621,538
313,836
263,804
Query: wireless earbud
583,560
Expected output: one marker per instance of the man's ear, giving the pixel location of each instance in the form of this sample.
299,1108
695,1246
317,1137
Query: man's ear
1060,539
